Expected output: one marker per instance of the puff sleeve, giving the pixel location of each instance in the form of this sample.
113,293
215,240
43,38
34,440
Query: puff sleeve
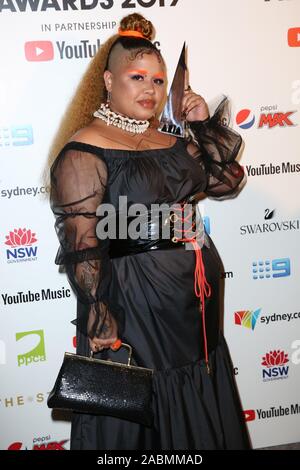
78,183
219,146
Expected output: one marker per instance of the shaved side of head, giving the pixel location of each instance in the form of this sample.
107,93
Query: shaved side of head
116,56
120,56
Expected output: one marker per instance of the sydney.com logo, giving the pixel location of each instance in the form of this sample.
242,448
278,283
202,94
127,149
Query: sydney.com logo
248,318
37,353
20,242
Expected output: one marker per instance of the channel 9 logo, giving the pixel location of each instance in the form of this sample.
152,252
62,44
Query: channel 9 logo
16,136
267,269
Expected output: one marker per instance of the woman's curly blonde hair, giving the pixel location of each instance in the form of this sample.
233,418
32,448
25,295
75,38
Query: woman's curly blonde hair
91,91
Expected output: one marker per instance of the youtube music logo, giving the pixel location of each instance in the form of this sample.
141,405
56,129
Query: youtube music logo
39,51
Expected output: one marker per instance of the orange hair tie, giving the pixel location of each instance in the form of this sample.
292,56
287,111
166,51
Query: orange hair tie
131,32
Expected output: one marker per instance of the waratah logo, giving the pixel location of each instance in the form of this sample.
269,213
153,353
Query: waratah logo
247,318
274,363
20,242
21,237
275,358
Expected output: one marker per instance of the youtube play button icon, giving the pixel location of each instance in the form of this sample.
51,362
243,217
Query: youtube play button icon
294,37
249,415
39,51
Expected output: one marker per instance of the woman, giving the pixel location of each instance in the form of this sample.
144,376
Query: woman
127,289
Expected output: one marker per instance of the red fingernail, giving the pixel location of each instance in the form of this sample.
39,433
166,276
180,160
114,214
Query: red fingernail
116,345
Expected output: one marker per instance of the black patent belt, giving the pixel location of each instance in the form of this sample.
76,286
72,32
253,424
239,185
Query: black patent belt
153,235
154,239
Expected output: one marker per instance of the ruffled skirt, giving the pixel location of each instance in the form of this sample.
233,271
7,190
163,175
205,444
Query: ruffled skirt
193,410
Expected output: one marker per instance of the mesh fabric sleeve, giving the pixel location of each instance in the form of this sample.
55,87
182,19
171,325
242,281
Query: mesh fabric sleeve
218,146
78,183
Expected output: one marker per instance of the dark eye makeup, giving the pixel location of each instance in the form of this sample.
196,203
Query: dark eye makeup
138,77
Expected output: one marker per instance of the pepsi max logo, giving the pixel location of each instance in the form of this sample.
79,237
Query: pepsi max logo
245,119
267,118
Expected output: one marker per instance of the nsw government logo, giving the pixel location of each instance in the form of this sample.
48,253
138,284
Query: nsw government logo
35,341
20,242
274,365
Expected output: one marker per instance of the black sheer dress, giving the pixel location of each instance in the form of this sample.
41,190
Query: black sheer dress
151,295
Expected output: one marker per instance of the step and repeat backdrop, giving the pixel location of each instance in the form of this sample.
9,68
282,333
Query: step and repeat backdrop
248,50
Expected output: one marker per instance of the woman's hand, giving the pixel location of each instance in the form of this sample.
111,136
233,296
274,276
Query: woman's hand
111,330
194,107
97,344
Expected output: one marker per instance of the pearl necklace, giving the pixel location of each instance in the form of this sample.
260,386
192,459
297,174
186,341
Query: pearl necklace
123,122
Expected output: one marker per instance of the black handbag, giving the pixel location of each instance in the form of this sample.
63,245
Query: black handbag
96,386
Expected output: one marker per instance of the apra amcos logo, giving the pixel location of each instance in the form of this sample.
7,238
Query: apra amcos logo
295,356
20,242
275,367
37,352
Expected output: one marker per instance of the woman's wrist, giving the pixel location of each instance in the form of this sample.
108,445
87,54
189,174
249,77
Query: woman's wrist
205,120
195,125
